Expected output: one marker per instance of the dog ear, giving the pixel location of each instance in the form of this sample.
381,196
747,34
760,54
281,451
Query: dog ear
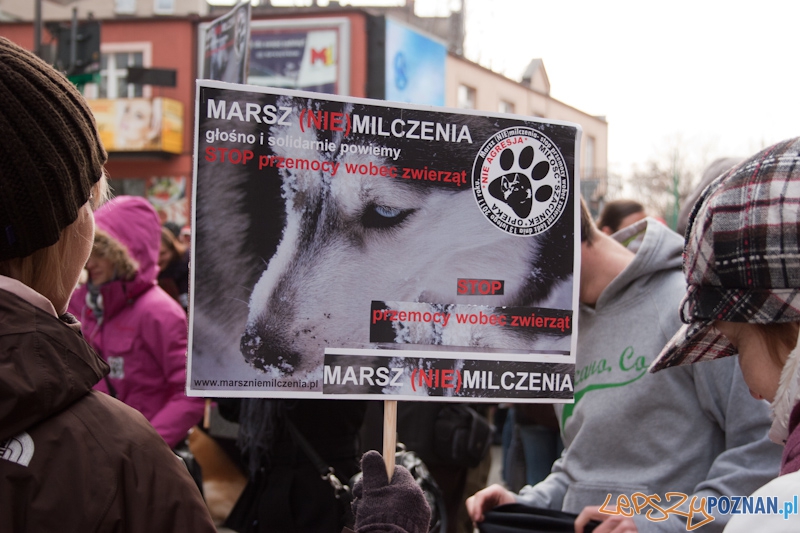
515,194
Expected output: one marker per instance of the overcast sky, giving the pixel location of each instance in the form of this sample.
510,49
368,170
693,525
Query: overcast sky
716,78
711,78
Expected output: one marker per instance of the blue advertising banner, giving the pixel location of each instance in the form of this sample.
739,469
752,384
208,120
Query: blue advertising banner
415,66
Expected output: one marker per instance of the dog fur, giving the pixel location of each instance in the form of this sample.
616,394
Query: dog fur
352,238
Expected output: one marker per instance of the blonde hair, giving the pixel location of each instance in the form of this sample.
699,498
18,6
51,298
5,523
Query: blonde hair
41,270
107,247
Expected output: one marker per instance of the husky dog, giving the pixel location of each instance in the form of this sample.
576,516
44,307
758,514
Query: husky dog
351,238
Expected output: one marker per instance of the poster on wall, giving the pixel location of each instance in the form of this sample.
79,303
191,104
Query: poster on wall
308,54
353,248
168,196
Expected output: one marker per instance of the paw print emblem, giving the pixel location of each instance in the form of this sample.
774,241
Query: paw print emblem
520,181
516,188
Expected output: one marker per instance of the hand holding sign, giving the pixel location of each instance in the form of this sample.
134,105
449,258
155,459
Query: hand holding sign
380,503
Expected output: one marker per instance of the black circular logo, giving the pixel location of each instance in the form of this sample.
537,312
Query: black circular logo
520,181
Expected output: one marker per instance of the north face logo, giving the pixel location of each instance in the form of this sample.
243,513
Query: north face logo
17,449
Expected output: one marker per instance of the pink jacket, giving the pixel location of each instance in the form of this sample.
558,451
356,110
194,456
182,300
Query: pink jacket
143,331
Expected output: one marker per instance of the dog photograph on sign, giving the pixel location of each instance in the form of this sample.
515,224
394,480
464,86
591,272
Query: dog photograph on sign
335,227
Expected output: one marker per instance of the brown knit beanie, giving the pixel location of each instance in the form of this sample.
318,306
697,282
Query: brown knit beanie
50,153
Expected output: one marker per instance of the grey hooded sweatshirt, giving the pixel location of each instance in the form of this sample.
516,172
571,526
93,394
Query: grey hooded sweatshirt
693,429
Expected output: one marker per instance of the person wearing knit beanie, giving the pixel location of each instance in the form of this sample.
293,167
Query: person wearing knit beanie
50,155
71,459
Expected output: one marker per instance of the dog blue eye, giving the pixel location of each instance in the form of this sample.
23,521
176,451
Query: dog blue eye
388,212
383,216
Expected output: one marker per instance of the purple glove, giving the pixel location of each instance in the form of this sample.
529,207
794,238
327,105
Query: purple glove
399,507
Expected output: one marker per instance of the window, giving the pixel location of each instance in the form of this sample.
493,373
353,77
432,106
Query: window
163,7
114,73
125,7
115,59
466,97
506,106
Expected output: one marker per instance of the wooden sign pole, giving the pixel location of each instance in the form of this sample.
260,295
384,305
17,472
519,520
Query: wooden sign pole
389,435
207,414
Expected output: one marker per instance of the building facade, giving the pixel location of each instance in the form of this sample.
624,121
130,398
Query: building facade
471,86
102,9
147,129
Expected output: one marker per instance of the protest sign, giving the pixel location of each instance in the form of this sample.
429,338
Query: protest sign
224,45
352,248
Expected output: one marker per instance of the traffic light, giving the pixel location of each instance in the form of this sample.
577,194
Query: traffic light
87,47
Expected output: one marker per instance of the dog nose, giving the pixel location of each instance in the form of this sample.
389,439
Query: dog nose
264,351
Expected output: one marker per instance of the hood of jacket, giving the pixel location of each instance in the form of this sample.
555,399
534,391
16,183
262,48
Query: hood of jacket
786,397
133,223
660,251
47,365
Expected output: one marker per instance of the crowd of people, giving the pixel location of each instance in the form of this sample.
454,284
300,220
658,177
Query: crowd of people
92,372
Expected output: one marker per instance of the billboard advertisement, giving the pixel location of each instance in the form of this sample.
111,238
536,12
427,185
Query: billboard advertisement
415,66
309,54
351,248
139,124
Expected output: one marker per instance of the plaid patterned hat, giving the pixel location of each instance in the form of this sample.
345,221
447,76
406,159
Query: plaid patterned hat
742,255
